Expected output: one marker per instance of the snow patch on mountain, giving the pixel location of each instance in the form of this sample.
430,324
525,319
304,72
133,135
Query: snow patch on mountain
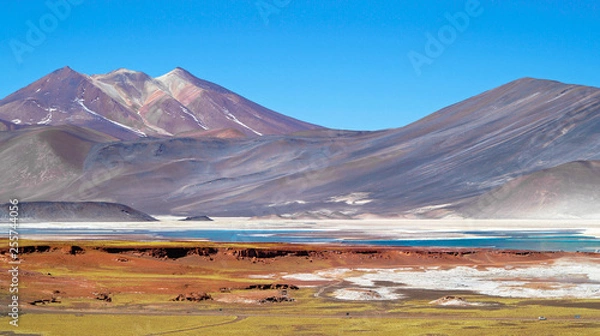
85,108
46,119
287,203
356,198
186,111
235,120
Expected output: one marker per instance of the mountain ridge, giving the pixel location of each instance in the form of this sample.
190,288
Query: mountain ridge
130,104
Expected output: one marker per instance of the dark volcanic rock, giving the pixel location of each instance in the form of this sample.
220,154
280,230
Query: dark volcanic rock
106,297
276,299
197,219
75,212
194,297
272,286
54,299
163,253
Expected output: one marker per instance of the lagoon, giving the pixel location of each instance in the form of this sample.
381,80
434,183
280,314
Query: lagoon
500,234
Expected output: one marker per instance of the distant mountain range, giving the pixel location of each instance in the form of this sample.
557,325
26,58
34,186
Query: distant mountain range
180,145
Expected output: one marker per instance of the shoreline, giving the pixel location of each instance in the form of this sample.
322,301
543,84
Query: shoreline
236,223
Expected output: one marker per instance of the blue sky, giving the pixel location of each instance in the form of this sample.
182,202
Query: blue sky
340,64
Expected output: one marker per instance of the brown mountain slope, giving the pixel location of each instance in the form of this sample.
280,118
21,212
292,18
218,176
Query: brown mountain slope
40,160
148,98
66,97
571,190
481,143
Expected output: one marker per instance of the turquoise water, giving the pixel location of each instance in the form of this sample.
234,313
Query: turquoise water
534,240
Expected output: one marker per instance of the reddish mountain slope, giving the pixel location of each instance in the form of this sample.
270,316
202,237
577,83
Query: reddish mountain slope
130,105
217,107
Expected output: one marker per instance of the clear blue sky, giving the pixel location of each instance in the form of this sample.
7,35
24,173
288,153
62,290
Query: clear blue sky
341,64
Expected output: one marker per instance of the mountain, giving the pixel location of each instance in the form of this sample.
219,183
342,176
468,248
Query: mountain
76,212
129,105
479,144
571,190
66,97
41,160
436,167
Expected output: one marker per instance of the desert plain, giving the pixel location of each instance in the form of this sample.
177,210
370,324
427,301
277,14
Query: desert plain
144,285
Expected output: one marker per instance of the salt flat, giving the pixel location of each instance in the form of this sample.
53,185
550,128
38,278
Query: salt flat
567,278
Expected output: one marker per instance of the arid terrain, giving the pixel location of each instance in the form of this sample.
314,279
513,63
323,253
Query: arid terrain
243,288
179,145
93,164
